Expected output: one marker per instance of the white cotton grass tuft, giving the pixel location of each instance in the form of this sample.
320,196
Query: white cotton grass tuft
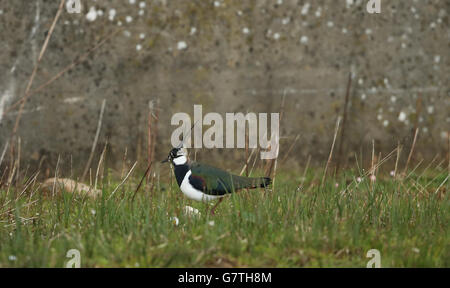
304,40
175,220
181,45
92,14
191,211
111,14
402,116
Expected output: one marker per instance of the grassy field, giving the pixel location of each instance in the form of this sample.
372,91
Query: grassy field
300,224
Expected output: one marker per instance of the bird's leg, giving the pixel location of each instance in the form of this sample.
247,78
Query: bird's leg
215,206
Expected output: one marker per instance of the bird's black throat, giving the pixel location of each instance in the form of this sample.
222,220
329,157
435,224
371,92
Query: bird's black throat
180,172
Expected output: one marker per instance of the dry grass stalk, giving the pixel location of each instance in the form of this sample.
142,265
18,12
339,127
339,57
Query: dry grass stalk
275,168
418,112
344,122
290,148
372,166
56,176
378,158
2,156
412,151
376,166
19,147
142,180
124,180
149,137
442,184
448,152
246,149
247,162
3,176
428,166
305,171
153,115
254,160
399,150
330,156
94,144
124,160
155,126
11,176
100,162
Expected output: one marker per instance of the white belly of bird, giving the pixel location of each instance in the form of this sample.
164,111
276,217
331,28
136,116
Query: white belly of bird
193,193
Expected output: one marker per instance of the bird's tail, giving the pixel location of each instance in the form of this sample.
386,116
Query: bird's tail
245,182
265,181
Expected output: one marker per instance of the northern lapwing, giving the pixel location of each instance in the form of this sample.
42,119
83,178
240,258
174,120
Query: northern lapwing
204,183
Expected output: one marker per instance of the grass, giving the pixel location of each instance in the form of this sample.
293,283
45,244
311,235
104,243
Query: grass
308,226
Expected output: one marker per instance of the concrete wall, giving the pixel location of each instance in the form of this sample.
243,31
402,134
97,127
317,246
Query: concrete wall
230,56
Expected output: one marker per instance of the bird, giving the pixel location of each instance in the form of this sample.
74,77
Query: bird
201,182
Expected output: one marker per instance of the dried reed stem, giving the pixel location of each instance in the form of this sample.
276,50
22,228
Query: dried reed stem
399,150
331,150
448,151
94,144
246,149
56,176
100,161
412,150
246,163
305,171
290,148
4,152
124,160
344,122
124,180
142,180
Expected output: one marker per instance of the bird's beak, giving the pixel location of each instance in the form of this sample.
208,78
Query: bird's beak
165,161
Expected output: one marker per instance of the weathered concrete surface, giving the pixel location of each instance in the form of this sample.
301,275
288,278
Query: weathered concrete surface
230,56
